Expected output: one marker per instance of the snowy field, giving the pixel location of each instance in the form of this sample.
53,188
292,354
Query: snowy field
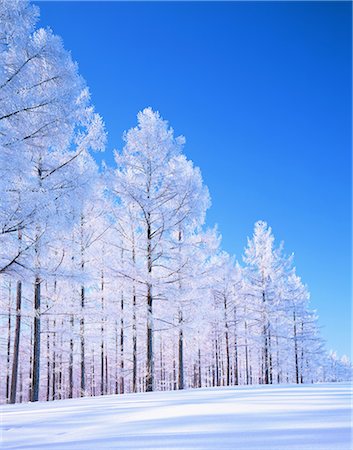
308,417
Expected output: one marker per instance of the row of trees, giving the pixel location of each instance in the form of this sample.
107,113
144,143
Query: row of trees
110,282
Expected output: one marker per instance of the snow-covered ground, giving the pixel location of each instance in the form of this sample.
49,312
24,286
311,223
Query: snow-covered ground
308,417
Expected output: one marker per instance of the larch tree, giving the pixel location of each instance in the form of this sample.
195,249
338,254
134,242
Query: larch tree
145,178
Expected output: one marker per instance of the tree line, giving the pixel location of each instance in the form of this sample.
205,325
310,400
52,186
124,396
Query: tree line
110,281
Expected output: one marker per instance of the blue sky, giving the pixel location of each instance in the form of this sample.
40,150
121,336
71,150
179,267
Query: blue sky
262,92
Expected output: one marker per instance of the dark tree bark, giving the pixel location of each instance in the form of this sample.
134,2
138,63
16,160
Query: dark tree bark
36,342
265,365
217,363
174,375
295,348
149,368
134,343
226,341
8,356
122,382
48,361
246,355
181,353
134,324
71,359
93,383
16,345
82,321
102,334
54,363
116,358
82,342
200,368
30,365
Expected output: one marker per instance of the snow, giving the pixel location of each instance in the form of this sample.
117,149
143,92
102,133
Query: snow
283,417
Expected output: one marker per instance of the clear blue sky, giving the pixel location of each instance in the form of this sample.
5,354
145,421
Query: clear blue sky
262,92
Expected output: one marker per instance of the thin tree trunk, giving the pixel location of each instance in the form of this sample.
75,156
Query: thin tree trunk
93,384
30,365
122,384
217,363
134,343
21,385
16,345
102,335
8,358
160,366
149,377
59,391
82,336
54,363
48,361
181,353
106,373
250,368
227,342
295,348
265,349
116,358
200,373
36,342
269,357
181,331
174,375
246,355
82,321
71,359
277,356
302,356
37,312
134,324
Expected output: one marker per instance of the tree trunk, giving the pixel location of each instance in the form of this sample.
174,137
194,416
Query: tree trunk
82,336
134,324
82,321
106,373
122,383
8,358
149,376
278,362
54,363
295,348
227,342
302,356
36,342
217,363
30,365
134,343
174,375
16,345
266,378
71,359
246,354
48,361
93,383
181,353
60,383
116,358
102,335
269,357
200,373
21,385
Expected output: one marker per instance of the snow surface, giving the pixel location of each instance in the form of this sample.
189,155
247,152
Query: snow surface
307,417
